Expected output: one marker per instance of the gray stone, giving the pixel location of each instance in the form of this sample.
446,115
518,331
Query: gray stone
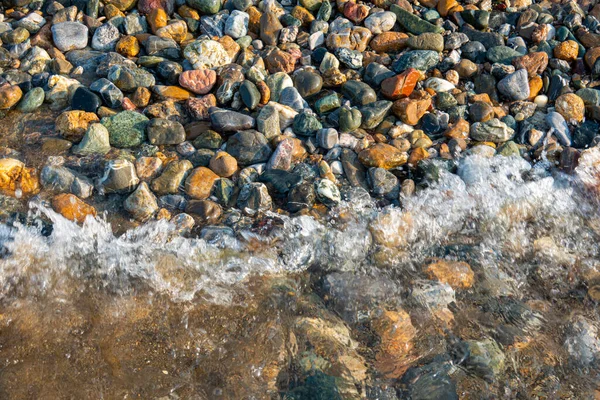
95,141
119,177
141,204
267,122
560,128
493,130
515,86
327,138
249,147
70,35
62,179
164,132
384,183
129,79
110,94
229,121
236,25
292,98
105,37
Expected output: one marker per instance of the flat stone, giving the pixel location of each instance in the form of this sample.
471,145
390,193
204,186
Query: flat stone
413,23
198,81
382,155
230,121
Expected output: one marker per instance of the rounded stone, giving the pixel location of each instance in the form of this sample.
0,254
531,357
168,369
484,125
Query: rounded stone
84,99
223,164
32,100
70,36
308,83
9,96
571,107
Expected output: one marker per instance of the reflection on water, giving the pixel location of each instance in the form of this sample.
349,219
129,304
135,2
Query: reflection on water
483,285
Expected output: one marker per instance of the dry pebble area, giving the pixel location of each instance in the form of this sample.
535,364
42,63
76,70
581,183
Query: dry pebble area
190,110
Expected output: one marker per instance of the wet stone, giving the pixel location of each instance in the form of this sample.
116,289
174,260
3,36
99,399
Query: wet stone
359,93
141,204
171,179
62,179
254,198
119,177
32,100
560,128
327,192
95,141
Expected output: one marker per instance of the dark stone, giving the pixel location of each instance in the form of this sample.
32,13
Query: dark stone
279,180
301,196
84,99
584,134
249,147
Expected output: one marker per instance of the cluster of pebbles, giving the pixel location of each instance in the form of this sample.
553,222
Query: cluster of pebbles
212,114
187,109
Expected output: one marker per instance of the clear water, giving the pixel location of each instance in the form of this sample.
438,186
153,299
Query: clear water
148,314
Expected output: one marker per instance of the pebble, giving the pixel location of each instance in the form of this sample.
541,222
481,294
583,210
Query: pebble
515,86
9,96
126,129
571,107
72,207
32,100
119,177
379,22
142,203
170,180
198,81
95,141
70,35
105,37
254,198
494,131
164,132
560,127
249,147
84,99
230,121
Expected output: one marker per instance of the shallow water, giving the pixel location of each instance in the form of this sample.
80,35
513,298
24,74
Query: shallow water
269,311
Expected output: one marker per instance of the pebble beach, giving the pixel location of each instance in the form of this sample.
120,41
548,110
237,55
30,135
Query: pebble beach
300,200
